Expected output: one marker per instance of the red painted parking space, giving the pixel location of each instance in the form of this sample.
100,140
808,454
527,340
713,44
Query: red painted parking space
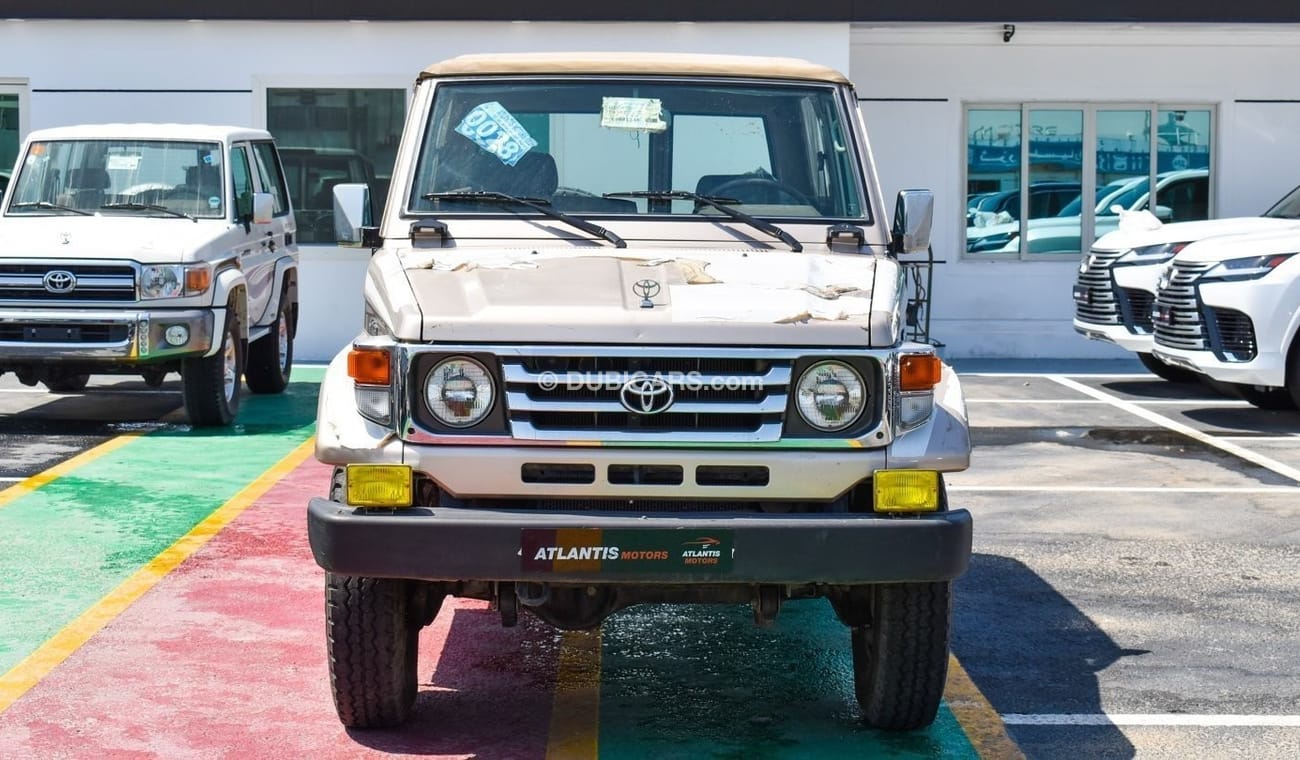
225,657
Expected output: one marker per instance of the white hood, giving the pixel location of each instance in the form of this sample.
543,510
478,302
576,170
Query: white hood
1136,229
641,295
146,239
1224,247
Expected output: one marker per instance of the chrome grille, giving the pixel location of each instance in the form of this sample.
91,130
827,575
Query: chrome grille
575,398
1178,322
1234,335
25,281
1094,293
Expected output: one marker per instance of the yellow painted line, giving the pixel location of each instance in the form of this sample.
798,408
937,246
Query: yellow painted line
63,644
575,715
24,487
982,724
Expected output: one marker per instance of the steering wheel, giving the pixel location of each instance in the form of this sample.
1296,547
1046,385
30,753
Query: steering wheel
768,183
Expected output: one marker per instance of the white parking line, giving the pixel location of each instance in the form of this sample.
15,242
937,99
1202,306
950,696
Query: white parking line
94,389
1149,719
1123,489
11,480
1261,438
1156,401
1229,447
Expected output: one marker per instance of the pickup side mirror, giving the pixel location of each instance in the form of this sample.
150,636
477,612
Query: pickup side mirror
263,208
352,215
913,217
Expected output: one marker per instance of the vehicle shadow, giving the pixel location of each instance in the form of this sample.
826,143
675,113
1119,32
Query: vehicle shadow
1156,388
1032,652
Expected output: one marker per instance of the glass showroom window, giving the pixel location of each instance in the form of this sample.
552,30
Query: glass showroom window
328,136
10,136
1062,154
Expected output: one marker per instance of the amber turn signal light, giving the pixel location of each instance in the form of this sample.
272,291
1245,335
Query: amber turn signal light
919,372
197,279
369,366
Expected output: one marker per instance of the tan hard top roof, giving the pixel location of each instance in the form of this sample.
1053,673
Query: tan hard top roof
680,64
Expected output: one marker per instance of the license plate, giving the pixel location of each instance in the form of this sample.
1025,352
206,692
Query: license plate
1082,294
52,334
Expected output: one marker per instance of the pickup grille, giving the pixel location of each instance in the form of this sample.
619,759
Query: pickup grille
90,282
1096,302
575,398
1179,324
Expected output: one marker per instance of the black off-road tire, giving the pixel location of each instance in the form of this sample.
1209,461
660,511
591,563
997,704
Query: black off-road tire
270,358
900,660
1264,397
1293,371
1167,371
67,383
210,384
373,648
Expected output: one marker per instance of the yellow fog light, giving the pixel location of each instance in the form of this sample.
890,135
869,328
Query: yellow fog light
379,485
906,491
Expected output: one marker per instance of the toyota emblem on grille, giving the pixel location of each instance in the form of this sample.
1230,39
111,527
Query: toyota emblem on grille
646,395
646,289
59,281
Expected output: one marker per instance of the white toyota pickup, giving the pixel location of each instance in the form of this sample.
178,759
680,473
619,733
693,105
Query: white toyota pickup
148,249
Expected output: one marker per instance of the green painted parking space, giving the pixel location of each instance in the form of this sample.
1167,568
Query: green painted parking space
76,538
704,682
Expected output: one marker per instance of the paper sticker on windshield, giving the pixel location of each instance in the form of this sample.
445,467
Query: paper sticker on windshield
212,158
495,130
122,162
214,201
640,114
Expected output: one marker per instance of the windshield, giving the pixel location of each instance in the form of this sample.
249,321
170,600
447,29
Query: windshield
775,151
85,176
1288,207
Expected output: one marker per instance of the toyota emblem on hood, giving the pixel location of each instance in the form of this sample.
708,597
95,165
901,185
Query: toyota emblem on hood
59,281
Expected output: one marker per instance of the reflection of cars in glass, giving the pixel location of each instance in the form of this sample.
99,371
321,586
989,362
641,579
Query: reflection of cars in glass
1182,196
4,183
1045,199
1225,308
312,174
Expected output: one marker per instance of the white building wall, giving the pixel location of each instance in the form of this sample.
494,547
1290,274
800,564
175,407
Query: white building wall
923,75
218,72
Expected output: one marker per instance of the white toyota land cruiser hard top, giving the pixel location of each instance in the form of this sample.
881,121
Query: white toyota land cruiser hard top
634,333
148,249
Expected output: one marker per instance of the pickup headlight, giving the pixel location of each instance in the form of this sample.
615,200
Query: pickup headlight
174,280
830,396
1250,268
459,392
1152,254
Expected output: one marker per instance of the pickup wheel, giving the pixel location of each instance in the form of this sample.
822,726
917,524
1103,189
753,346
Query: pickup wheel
900,660
67,383
210,384
1264,397
1166,371
373,648
270,358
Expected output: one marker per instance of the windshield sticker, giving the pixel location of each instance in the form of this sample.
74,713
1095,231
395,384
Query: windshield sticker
212,158
639,114
495,130
214,201
122,162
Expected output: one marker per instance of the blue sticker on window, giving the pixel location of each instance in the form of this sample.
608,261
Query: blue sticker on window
495,130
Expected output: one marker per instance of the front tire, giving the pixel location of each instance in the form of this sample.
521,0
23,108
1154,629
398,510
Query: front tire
1166,371
270,358
900,659
373,647
67,383
210,384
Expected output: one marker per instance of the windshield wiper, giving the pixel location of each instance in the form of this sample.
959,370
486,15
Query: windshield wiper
721,204
47,204
537,204
149,207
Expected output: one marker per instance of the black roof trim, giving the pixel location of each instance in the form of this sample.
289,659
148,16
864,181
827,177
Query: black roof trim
999,11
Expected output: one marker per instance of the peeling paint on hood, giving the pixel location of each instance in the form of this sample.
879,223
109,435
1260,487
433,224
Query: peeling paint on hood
695,296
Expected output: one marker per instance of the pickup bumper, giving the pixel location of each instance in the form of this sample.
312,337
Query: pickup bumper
446,544
39,336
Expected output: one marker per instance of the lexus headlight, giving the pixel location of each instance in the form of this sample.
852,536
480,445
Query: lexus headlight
1153,254
831,396
1251,268
459,392
174,280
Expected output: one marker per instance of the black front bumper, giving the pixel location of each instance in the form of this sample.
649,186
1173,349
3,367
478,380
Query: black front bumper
444,544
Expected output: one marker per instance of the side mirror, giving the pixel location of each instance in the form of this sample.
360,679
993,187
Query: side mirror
913,217
1164,213
352,215
263,208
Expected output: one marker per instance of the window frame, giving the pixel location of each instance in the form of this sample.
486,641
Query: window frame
1090,109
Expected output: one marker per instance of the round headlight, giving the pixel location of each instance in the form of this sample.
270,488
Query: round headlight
459,392
160,281
831,396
